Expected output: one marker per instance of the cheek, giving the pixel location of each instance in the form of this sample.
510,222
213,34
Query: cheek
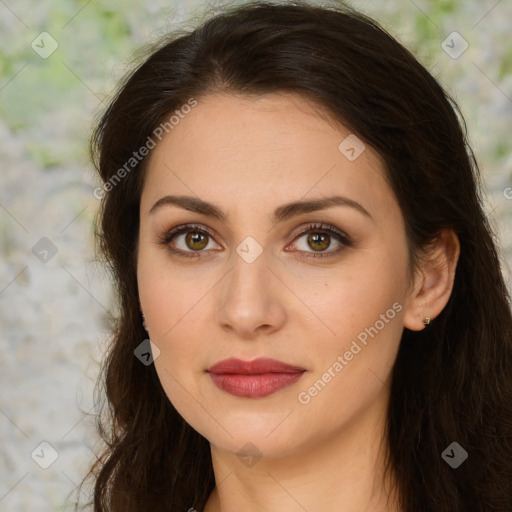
170,303
177,328
169,296
363,306
176,315
354,297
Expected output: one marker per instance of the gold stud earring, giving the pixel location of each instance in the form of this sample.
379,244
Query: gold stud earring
426,320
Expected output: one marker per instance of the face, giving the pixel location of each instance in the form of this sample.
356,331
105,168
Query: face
321,288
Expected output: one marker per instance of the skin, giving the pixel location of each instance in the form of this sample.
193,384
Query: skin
250,155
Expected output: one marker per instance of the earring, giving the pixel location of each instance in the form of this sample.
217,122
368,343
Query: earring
144,322
426,321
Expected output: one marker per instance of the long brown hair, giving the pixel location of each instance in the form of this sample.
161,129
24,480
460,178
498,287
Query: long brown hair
451,382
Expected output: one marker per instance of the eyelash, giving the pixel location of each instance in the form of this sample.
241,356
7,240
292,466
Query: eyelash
317,228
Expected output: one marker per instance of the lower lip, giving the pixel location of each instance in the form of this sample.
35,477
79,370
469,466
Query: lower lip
254,385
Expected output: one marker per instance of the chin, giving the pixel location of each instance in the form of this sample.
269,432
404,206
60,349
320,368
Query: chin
258,439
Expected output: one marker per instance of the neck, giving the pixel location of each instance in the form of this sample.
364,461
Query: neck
344,472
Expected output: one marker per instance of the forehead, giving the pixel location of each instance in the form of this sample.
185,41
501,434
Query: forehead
263,151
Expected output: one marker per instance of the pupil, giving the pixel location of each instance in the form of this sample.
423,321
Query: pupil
196,238
318,239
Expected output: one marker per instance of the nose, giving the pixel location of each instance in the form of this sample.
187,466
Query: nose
251,299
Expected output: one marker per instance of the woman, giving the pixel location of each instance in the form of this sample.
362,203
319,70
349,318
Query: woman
292,216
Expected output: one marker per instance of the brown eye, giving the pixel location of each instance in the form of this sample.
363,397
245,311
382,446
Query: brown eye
188,240
196,240
315,239
318,241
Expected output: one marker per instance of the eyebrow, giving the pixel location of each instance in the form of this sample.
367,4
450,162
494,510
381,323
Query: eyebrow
281,213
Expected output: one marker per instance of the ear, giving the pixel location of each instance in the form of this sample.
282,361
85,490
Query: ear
433,282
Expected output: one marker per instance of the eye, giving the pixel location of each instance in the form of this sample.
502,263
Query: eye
194,239
318,238
190,240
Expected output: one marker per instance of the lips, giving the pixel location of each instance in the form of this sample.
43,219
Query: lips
254,379
261,365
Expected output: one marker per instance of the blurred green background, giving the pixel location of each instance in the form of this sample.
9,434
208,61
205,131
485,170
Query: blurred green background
59,63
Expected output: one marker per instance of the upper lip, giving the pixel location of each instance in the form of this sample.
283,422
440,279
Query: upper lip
256,366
